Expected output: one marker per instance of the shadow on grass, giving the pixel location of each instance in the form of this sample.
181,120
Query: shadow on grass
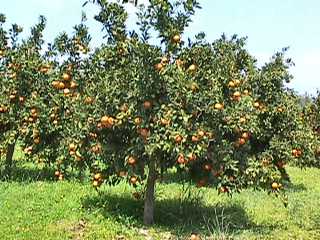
27,174
181,218
296,187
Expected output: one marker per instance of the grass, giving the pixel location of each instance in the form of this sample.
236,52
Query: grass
46,209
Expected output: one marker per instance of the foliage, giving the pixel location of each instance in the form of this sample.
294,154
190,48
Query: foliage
131,107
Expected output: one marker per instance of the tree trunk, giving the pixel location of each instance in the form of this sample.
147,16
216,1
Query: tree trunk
148,215
9,158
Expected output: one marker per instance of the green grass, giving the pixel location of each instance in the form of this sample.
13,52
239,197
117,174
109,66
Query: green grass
46,209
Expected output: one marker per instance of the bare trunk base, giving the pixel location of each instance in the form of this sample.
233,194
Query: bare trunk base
9,159
148,215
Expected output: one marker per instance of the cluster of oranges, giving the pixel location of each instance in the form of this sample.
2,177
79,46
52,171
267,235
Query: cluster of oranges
97,180
66,83
296,152
59,175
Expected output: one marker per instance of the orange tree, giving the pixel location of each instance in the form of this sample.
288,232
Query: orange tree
22,71
203,108
133,108
311,116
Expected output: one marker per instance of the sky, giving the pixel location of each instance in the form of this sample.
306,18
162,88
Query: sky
269,25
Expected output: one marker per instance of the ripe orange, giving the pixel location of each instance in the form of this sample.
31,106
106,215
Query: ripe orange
36,140
275,185
231,84
137,120
97,176
192,68
245,135
133,180
73,85
72,147
61,85
194,236
147,105
237,82
158,66
181,159
201,133
132,161
218,106
95,183
176,38
66,77
194,138
256,104
164,122
237,94
178,139
104,120
295,152
144,132
246,92
242,141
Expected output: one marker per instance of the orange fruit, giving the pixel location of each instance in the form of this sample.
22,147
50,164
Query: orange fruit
179,62
66,77
137,120
256,104
194,138
218,106
158,66
176,38
72,147
132,161
95,183
245,135
178,139
201,133
194,236
231,84
275,185
147,105
133,180
73,85
192,68
97,176
181,159
242,141
144,132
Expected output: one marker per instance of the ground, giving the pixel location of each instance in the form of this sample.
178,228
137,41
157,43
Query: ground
34,206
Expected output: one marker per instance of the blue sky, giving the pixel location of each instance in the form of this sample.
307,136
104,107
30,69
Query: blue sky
269,25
